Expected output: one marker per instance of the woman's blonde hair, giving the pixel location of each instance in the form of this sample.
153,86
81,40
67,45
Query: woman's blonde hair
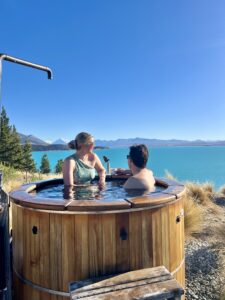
83,138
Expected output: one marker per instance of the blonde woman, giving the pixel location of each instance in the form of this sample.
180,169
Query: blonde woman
80,168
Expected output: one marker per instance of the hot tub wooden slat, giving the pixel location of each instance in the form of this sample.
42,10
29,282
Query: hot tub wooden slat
151,200
156,238
81,247
45,252
34,253
172,235
56,252
181,244
97,205
95,245
122,243
68,258
23,198
135,238
165,236
109,244
147,245
178,190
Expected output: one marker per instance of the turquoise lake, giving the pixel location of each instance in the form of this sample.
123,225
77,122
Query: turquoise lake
185,163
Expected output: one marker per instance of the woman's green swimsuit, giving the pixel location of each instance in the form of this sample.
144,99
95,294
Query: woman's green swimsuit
83,174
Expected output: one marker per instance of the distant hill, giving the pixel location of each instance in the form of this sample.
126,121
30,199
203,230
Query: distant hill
59,142
156,142
32,139
49,147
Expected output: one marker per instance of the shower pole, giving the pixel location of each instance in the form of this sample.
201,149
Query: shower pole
20,62
5,292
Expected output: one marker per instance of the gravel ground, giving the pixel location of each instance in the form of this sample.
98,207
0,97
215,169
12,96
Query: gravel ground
205,258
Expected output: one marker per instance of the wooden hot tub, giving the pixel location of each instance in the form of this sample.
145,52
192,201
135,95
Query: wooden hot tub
59,241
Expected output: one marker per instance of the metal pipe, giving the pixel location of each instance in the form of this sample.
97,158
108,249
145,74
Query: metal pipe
25,63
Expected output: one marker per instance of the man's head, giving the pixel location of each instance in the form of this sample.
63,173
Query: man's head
138,156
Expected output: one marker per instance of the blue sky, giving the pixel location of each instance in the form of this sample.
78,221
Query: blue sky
122,68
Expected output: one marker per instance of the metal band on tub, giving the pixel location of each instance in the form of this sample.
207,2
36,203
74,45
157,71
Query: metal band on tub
65,294
40,288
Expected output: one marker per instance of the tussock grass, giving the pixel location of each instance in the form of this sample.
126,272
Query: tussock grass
198,193
203,194
222,190
193,216
170,175
12,178
208,187
198,201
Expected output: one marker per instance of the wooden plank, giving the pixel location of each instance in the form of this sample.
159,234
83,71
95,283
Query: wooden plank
148,291
132,285
122,243
151,200
19,247
109,243
135,238
182,244
20,240
157,237
178,190
56,254
128,277
68,257
15,236
97,205
165,236
81,250
34,252
44,240
95,245
147,245
26,248
172,238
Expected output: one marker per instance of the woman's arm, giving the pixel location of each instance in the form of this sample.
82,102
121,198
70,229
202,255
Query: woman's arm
100,170
68,169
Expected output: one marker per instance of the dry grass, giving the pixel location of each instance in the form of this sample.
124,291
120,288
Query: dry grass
197,193
12,178
198,201
170,175
193,216
15,183
222,190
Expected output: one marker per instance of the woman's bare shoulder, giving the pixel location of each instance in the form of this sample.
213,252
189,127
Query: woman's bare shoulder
69,161
94,157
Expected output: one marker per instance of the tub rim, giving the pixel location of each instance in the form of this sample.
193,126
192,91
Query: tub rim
22,197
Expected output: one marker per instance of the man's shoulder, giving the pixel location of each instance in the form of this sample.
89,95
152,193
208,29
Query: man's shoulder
131,182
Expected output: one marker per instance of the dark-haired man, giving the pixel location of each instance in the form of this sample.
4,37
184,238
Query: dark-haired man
142,178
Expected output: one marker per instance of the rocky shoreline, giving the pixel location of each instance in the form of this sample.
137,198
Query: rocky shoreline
205,256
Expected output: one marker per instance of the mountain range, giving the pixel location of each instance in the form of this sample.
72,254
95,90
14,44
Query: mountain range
60,144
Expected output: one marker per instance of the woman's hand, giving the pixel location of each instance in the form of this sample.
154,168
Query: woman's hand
101,184
101,172
120,171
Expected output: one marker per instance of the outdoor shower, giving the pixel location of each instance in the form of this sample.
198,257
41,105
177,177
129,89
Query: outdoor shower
5,276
